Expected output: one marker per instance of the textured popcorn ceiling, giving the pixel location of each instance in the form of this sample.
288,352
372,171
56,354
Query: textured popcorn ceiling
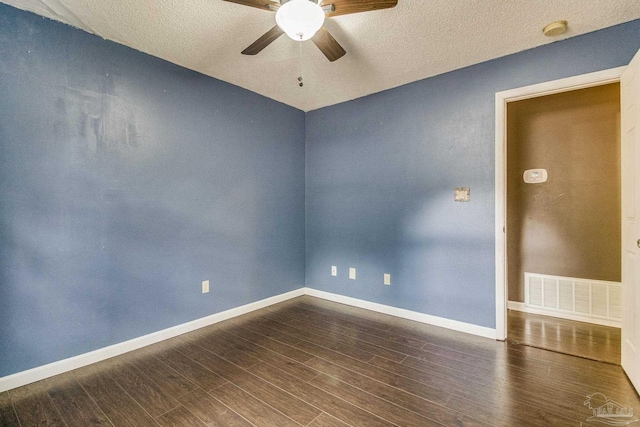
385,48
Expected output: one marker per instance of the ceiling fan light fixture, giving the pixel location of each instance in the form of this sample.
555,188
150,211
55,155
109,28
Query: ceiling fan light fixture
300,19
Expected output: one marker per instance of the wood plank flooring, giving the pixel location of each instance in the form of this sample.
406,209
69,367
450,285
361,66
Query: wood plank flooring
310,362
580,339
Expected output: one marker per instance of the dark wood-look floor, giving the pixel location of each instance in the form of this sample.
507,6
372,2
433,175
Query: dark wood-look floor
580,339
309,362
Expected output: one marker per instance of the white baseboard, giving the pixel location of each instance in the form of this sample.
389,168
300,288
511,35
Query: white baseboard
455,325
520,306
41,372
517,306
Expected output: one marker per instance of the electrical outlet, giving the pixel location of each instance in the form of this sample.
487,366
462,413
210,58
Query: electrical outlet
352,273
387,279
334,270
205,286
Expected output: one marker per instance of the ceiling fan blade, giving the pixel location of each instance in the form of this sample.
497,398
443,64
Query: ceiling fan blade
328,45
344,7
264,41
260,4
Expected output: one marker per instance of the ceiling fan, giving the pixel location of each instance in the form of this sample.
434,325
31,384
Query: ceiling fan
303,19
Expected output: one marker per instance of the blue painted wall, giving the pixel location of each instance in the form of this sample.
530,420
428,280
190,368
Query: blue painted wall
124,182
381,172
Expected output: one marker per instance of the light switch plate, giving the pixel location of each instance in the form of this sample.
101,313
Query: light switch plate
334,270
461,194
205,286
387,279
352,273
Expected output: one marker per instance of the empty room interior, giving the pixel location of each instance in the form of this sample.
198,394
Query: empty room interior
339,213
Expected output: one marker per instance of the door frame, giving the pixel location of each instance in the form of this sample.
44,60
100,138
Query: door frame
502,98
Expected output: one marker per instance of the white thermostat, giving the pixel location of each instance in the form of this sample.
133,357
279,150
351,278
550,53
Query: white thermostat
535,176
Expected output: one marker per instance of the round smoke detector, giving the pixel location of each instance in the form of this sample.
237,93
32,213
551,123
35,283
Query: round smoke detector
555,28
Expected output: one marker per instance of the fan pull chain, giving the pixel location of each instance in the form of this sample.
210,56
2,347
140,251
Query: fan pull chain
300,65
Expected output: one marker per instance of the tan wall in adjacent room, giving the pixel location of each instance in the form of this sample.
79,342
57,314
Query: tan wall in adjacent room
569,225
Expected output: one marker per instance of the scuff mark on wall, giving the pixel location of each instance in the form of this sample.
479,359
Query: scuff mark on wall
105,125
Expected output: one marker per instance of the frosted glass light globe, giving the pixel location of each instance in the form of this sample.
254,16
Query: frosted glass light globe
300,19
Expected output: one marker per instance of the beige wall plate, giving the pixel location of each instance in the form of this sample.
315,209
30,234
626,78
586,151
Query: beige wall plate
461,194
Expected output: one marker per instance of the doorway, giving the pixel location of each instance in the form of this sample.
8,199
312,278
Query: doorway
502,99
563,222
